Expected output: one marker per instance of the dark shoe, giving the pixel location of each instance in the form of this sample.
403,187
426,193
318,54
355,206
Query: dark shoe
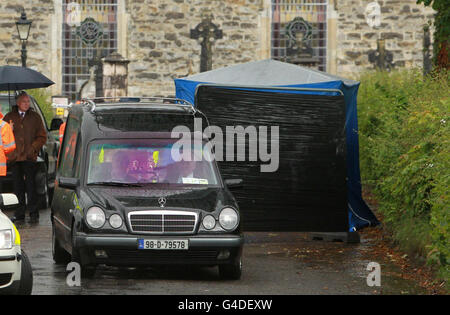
16,220
34,220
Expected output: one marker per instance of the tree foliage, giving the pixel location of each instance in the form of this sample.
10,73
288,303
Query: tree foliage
43,98
442,31
404,133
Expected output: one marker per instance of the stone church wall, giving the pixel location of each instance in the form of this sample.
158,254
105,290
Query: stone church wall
40,38
154,35
160,47
401,27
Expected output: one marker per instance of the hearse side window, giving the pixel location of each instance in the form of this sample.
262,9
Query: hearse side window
78,154
66,167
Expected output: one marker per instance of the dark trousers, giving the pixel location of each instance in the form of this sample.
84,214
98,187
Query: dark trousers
24,181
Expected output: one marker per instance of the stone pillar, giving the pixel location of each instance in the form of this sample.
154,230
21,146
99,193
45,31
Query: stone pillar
265,35
332,18
115,75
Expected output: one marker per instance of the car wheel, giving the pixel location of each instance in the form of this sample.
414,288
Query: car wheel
44,198
231,271
60,256
26,278
86,271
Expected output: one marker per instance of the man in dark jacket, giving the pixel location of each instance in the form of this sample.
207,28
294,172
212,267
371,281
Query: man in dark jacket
30,136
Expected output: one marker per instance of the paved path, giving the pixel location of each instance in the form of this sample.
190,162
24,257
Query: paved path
274,263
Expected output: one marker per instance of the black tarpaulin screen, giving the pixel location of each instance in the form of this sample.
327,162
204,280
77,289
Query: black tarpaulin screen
308,191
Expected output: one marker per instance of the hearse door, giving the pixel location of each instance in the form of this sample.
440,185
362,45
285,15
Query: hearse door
65,198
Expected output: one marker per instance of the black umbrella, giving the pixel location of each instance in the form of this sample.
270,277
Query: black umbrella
21,78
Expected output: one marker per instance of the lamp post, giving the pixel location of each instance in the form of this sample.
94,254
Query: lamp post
23,28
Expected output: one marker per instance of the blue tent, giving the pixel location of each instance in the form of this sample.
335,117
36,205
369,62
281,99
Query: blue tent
271,73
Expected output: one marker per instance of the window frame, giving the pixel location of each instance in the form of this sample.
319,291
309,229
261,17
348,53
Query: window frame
63,160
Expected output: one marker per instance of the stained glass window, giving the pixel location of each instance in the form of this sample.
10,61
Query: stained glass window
89,33
299,32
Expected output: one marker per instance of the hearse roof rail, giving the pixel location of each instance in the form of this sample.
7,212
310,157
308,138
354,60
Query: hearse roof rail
95,102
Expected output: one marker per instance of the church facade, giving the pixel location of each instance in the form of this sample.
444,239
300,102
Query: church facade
167,39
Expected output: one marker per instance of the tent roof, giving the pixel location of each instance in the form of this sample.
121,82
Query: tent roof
266,73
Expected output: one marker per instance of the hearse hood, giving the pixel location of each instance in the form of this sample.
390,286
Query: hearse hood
131,199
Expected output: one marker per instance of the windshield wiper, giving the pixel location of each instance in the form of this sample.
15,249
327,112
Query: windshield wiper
118,184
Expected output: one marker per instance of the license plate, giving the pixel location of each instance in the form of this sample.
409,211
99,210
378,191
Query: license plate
163,244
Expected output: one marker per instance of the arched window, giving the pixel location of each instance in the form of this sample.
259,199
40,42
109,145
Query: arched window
89,32
299,32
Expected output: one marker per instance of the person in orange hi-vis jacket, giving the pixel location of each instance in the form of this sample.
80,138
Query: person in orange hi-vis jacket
61,132
7,145
62,128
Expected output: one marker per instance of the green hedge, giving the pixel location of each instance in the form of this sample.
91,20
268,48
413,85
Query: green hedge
404,134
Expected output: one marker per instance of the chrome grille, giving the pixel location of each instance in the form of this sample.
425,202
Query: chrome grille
162,221
162,257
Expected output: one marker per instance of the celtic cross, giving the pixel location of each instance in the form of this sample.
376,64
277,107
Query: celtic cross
209,32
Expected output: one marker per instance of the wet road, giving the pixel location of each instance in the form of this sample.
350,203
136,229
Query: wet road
274,263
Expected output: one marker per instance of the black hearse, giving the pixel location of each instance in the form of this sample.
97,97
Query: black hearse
123,198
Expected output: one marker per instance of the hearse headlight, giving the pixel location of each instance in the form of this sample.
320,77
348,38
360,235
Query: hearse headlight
6,239
209,222
229,219
115,221
95,217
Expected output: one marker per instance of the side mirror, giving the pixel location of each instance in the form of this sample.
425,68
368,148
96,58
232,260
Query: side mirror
234,183
8,200
68,182
55,124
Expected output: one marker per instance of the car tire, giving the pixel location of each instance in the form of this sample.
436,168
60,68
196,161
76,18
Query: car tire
26,278
44,200
60,256
231,271
86,271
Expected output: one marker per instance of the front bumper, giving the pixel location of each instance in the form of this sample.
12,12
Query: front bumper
10,269
123,250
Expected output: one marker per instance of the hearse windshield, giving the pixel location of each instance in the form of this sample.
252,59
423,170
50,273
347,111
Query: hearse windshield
128,162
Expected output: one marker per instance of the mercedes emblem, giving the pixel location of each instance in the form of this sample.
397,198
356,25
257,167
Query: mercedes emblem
162,202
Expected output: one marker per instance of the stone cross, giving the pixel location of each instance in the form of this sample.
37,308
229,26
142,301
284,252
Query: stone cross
96,62
209,32
426,50
381,58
